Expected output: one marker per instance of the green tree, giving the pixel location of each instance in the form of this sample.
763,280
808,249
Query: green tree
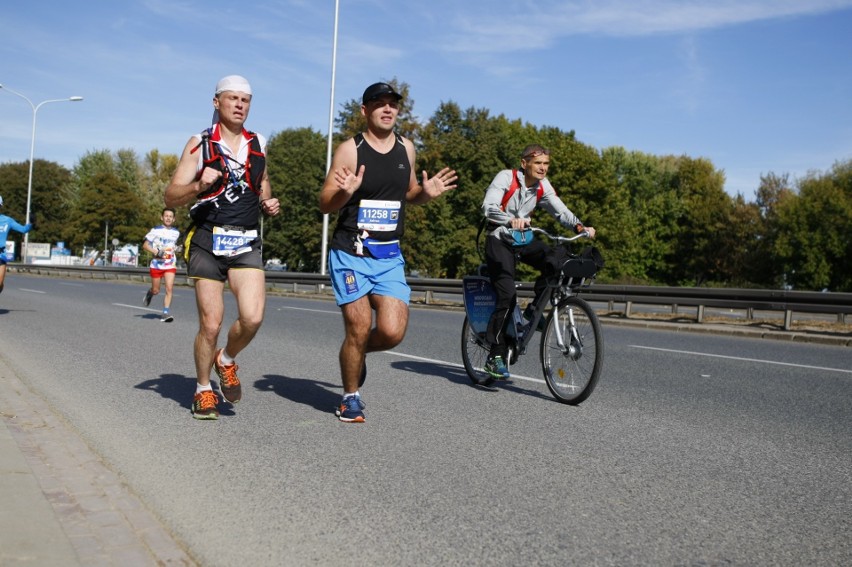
650,210
706,212
296,166
157,171
814,245
766,268
107,188
629,250
47,208
108,208
741,247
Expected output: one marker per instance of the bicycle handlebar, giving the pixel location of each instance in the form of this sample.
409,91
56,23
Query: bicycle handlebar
556,238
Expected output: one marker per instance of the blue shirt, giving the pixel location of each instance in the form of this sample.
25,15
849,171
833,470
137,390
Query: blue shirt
7,224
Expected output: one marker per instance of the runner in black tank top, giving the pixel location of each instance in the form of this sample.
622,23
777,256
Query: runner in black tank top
386,178
369,190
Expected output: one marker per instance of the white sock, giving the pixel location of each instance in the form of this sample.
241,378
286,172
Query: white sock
225,359
202,388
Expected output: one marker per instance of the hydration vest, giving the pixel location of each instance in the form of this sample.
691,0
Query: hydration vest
213,158
514,186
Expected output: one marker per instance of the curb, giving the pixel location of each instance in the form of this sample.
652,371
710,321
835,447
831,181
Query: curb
61,504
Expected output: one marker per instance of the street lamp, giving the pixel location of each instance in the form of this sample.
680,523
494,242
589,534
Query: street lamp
35,108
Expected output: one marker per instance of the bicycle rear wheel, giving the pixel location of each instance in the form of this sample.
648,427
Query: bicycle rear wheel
474,353
572,370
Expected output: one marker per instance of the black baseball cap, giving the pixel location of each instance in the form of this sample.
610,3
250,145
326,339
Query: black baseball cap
376,90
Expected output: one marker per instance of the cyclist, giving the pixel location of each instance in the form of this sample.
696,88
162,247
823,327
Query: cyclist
161,241
7,224
509,201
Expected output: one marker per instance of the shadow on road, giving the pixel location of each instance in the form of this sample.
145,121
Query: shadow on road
301,390
152,316
180,389
459,376
452,373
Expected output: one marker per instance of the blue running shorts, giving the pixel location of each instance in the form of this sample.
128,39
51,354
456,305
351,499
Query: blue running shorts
353,277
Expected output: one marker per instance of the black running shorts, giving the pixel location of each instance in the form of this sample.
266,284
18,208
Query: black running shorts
202,264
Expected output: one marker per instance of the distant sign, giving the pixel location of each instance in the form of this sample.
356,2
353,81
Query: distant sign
38,250
60,250
127,256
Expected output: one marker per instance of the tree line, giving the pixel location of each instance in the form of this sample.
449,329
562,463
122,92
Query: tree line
661,220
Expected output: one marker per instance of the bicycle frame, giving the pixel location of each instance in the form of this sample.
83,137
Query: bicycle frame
479,300
571,347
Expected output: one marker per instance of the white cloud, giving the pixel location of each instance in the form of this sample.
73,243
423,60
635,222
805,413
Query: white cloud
539,25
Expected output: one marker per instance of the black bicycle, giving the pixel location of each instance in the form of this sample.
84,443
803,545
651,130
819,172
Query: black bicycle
572,348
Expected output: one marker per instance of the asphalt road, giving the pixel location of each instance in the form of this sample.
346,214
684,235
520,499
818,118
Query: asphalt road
694,450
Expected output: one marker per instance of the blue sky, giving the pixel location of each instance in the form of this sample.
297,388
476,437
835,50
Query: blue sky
755,86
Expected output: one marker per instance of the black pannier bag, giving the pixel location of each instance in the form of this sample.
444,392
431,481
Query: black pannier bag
583,265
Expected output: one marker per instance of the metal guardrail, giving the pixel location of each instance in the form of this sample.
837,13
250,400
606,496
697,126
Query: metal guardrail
749,300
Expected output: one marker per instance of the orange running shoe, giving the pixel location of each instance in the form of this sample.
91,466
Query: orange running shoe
204,405
232,391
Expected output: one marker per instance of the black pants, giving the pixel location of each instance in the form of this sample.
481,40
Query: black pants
501,259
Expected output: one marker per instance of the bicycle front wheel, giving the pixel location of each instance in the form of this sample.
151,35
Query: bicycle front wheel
572,370
474,351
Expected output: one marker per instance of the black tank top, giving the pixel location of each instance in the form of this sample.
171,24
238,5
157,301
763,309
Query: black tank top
386,178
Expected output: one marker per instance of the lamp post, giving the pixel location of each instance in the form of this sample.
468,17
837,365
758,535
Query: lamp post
35,108
324,244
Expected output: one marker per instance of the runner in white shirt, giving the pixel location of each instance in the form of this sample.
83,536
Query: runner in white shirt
162,241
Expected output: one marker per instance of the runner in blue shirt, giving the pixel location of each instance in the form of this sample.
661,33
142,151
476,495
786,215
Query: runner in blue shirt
7,224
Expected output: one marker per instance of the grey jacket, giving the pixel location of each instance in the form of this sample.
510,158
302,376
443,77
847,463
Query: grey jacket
521,204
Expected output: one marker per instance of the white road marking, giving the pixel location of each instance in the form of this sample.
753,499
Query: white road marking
453,364
743,359
334,312
137,307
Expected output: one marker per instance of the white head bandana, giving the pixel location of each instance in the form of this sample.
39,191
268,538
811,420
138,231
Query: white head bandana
233,83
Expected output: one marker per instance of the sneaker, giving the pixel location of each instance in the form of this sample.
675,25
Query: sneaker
232,391
339,409
497,368
166,318
147,301
351,410
204,405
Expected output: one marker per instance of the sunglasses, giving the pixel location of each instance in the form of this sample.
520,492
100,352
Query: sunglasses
536,153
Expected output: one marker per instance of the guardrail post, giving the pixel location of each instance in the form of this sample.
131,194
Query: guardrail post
788,320
674,308
627,307
427,299
700,315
